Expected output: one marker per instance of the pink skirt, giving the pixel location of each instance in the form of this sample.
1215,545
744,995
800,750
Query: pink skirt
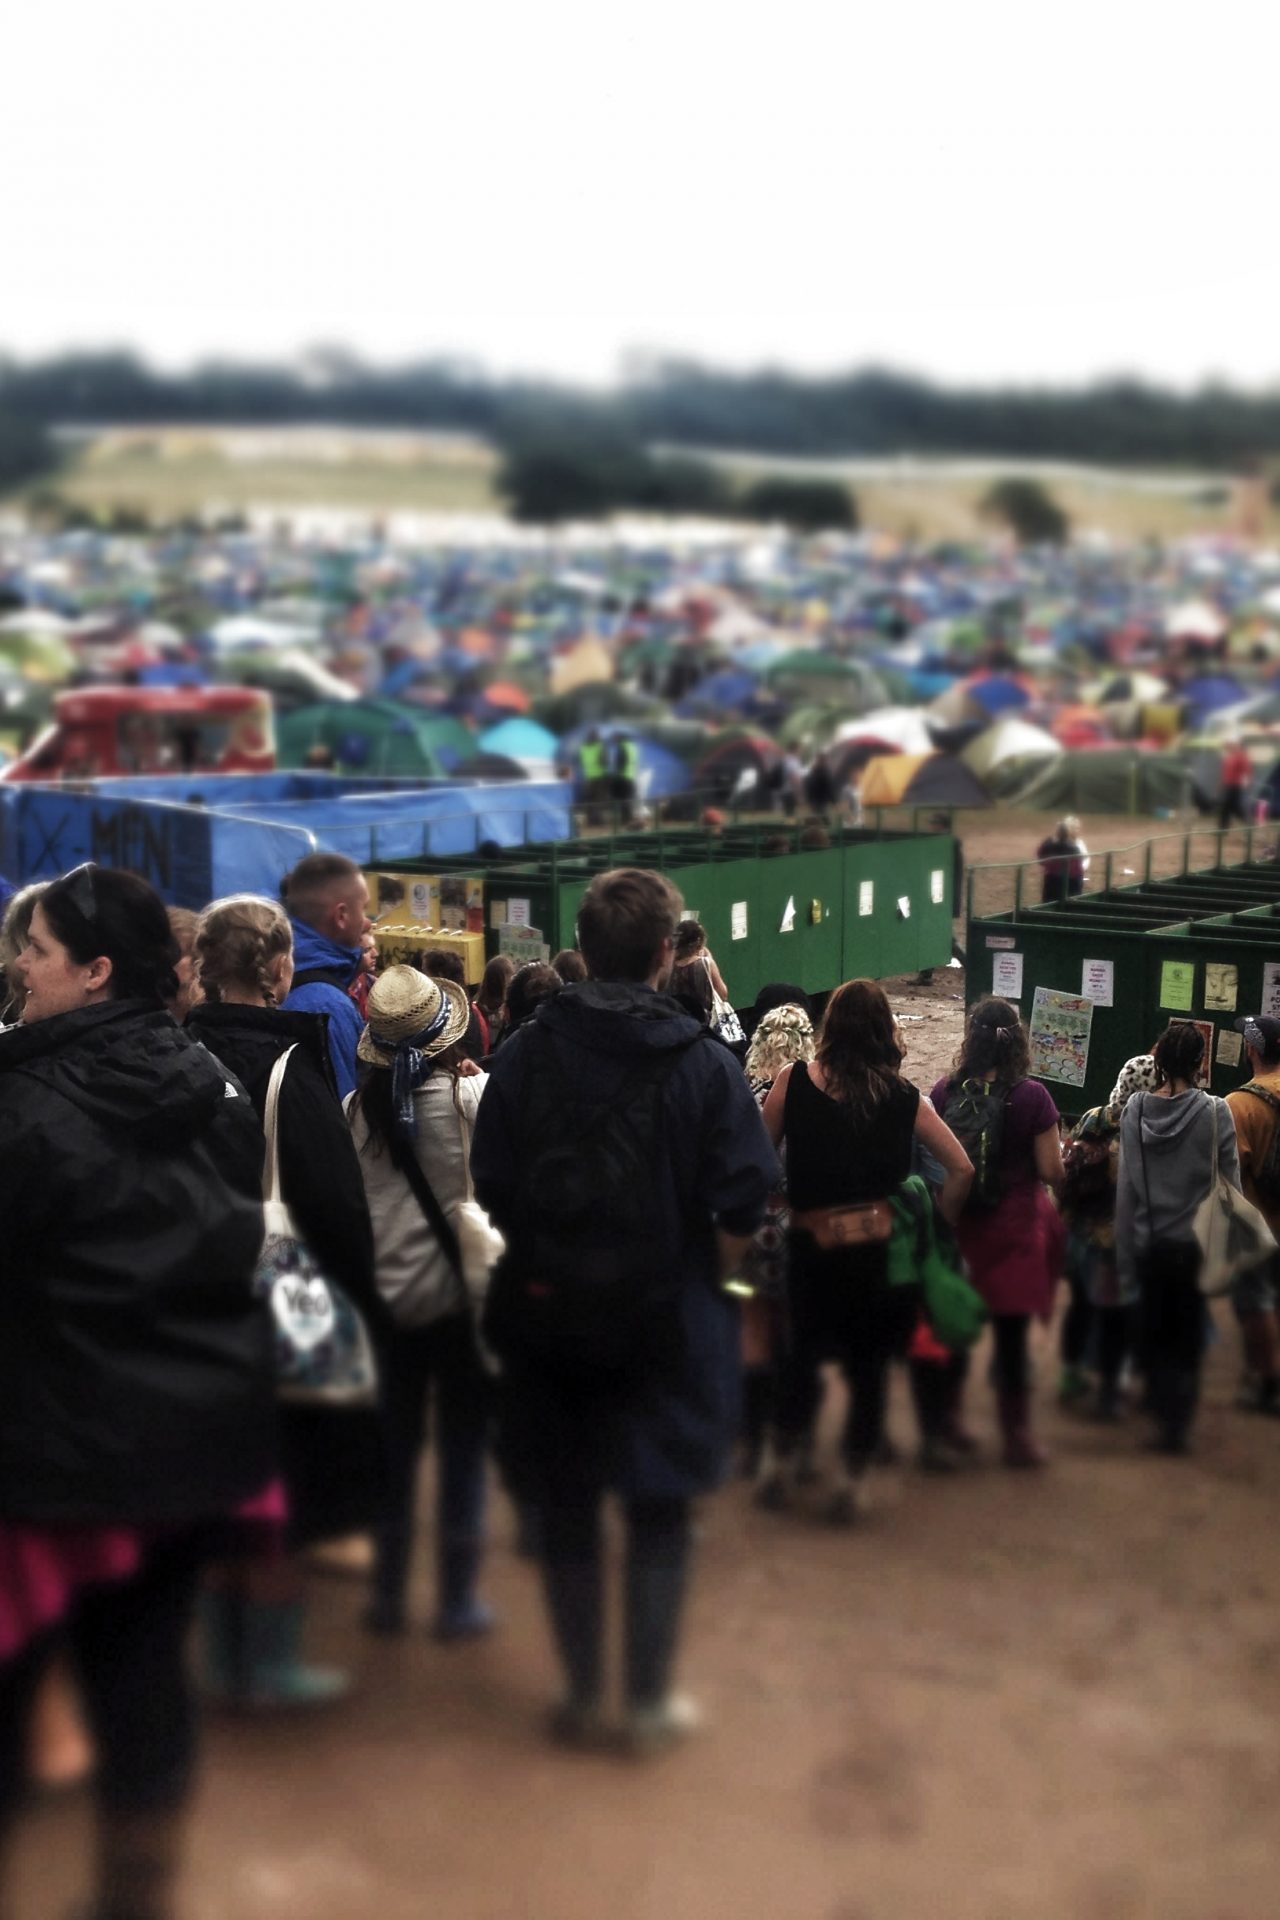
44,1568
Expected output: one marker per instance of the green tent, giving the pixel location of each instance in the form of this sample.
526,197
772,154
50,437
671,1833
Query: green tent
813,677
374,736
1107,780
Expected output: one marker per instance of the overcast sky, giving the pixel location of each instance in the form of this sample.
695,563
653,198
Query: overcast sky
989,191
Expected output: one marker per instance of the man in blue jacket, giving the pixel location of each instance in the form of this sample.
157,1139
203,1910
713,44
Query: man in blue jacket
327,898
620,1151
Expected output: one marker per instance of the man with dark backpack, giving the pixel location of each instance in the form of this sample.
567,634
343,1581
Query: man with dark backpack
622,1155
1255,1108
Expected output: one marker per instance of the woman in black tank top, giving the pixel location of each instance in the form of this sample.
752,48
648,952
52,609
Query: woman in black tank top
849,1121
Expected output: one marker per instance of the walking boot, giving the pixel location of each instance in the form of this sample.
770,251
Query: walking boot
1020,1447
575,1601
275,1674
462,1614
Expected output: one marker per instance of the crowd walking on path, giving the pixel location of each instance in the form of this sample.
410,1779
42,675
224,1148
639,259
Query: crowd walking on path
276,1225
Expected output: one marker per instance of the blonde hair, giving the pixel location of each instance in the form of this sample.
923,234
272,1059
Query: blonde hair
236,941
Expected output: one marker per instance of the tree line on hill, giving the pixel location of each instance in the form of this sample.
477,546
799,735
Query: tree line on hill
567,451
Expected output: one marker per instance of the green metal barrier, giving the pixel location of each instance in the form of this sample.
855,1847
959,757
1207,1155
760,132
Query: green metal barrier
1198,944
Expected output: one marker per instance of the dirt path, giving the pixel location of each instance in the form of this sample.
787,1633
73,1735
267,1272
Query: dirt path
1004,1697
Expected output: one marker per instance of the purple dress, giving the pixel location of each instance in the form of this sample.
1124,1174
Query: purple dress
1012,1248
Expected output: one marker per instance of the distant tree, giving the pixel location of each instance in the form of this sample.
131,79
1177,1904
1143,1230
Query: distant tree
1029,509
810,506
26,450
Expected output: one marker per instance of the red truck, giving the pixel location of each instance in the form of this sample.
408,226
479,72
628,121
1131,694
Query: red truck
98,731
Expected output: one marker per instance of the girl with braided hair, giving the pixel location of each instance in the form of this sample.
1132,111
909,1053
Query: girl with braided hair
330,1457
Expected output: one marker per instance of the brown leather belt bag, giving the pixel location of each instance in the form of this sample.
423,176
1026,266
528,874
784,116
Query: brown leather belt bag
861,1226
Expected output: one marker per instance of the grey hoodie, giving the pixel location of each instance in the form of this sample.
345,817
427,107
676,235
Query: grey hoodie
1167,1166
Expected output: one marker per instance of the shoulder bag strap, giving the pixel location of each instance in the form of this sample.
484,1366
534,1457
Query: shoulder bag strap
271,1127
1142,1155
407,1162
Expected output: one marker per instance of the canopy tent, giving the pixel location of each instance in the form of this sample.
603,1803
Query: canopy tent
1006,748
373,736
1107,780
921,780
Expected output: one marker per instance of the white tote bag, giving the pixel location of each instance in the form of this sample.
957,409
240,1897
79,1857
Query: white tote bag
1230,1232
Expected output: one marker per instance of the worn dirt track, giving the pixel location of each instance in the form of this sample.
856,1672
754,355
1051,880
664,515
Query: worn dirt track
1002,1697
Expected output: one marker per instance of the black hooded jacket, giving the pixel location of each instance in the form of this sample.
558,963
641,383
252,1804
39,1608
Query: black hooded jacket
135,1364
320,1176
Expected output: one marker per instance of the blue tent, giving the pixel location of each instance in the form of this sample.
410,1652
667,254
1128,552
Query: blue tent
997,694
520,739
1209,695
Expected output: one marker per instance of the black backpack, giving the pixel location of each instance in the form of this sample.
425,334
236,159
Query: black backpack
1266,1178
589,1286
975,1114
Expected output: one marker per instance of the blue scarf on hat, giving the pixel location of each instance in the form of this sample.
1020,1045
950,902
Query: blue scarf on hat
411,1069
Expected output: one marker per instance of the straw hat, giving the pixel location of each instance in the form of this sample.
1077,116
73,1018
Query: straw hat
407,1006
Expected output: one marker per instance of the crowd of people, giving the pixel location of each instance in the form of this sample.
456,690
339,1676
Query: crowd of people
604,1235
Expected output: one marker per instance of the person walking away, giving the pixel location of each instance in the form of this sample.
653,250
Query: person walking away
1174,1145
443,963
1100,1318
490,1003
1237,776
1255,1111
136,1395
330,1458
1059,856
625,1161
848,1121
1009,1234
412,1120
783,1036
691,982
327,899
626,774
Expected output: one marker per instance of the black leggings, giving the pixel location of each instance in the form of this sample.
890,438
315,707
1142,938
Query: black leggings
127,1642
1011,1361
862,1322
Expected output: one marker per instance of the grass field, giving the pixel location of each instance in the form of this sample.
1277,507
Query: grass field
164,473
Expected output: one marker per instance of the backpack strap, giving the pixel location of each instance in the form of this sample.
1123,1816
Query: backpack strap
405,1161
321,976
1263,1093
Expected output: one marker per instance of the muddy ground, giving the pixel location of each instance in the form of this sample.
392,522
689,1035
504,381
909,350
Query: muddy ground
1001,1697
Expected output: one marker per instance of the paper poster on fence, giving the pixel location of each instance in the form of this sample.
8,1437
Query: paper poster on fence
1006,975
1099,982
1271,989
1221,986
1060,1027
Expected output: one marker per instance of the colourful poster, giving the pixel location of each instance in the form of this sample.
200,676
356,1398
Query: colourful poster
1205,1029
1177,985
1060,1028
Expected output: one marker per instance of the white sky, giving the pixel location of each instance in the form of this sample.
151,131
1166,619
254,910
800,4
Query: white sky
989,190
